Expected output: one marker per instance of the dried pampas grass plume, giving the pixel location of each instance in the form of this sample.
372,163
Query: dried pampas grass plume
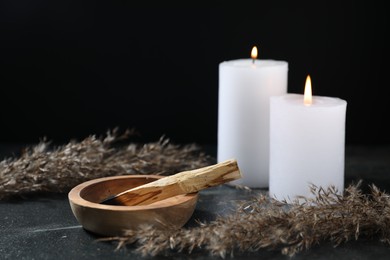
43,168
271,225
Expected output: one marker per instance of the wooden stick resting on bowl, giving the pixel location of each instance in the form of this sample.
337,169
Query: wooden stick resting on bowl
180,183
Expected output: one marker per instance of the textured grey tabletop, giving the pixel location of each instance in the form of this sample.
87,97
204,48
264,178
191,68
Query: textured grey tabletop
42,226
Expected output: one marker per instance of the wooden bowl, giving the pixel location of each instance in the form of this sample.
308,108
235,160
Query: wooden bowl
111,220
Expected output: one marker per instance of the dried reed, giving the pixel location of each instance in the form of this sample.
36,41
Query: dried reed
273,225
43,168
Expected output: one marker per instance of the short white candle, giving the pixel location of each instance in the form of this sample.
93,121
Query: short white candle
307,143
245,86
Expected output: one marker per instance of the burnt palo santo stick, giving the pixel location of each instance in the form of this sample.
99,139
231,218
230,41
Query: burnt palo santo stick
180,183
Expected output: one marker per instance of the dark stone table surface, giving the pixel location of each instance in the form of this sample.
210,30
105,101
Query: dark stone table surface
42,226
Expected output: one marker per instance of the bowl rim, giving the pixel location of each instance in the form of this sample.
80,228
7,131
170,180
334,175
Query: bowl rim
75,198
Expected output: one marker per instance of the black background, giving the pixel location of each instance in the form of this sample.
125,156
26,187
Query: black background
74,68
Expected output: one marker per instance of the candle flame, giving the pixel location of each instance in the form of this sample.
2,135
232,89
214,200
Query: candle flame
254,53
307,96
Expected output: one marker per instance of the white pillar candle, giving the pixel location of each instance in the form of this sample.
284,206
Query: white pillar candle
245,86
307,144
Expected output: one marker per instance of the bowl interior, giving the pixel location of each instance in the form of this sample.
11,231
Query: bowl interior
98,191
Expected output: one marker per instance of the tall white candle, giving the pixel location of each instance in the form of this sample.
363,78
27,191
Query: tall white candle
245,86
306,145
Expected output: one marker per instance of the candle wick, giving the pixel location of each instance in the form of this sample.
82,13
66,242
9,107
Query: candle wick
253,61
